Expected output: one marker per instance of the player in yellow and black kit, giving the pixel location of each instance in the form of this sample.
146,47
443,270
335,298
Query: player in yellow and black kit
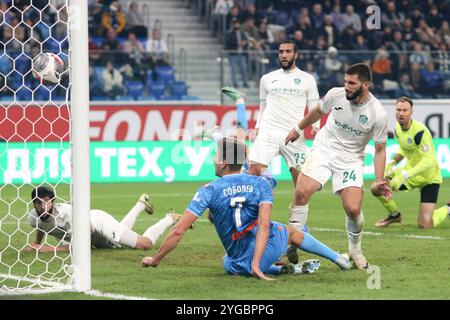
421,170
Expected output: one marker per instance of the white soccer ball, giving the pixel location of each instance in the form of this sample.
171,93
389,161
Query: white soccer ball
47,68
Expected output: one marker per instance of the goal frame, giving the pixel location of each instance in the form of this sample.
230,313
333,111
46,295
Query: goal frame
79,110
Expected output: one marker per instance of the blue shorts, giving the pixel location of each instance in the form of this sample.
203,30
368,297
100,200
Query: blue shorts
276,247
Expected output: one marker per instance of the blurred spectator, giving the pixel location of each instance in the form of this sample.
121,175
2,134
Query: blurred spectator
434,19
136,56
317,16
135,21
157,48
443,60
300,41
361,48
387,36
250,12
405,88
223,7
329,30
338,20
347,39
431,79
256,50
424,32
350,18
95,18
95,88
304,26
111,48
94,52
381,67
310,69
398,48
391,17
419,56
444,32
416,16
112,81
416,77
333,66
231,16
408,31
237,41
113,18
265,35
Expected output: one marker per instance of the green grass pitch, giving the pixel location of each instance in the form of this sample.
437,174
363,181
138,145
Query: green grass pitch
413,263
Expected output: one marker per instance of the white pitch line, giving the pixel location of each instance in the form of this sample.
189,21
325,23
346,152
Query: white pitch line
371,233
96,293
55,287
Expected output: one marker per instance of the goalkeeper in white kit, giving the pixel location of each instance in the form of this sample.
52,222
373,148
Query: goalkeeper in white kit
55,219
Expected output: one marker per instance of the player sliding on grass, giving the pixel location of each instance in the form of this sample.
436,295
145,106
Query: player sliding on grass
55,219
355,117
240,206
420,171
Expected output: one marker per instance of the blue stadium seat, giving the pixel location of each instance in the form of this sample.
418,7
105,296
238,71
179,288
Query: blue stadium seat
42,93
97,40
44,29
6,98
14,80
24,94
99,98
190,98
280,18
6,64
124,98
52,45
149,75
178,89
23,64
156,89
146,98
134,88
165,74
169,98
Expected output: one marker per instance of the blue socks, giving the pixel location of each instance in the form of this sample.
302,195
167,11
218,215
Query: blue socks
241,115
312,245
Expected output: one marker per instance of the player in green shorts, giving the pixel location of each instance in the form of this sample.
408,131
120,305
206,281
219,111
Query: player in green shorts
420,171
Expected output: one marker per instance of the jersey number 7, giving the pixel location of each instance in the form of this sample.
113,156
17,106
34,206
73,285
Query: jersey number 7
237,202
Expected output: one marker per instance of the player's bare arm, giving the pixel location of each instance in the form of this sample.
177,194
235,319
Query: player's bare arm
172,240
261,239
310,118
379,166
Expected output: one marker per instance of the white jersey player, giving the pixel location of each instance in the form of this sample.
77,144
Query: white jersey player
55,219
355,117
285,94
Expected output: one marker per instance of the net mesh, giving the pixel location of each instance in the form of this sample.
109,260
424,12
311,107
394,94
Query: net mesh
35,139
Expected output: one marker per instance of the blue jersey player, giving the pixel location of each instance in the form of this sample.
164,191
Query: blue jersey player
240,206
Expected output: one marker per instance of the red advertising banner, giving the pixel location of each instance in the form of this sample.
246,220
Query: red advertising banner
120,122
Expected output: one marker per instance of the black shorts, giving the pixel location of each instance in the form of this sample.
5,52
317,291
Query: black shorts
428,194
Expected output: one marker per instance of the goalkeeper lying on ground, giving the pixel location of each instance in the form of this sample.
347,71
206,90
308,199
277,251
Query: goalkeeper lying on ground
55,219
420,171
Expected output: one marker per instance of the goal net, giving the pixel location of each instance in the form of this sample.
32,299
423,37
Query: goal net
36,147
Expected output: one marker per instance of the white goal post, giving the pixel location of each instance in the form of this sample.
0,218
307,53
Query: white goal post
44,141
79,56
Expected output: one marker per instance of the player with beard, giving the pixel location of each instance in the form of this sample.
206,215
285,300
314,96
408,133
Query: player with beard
284,95
356,116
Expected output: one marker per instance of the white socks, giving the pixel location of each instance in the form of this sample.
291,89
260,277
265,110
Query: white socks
155,231
354,232
299,216
130,219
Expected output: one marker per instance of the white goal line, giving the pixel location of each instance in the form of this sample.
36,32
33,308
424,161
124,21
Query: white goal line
55,287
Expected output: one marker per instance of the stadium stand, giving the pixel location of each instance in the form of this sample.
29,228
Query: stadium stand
409,54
